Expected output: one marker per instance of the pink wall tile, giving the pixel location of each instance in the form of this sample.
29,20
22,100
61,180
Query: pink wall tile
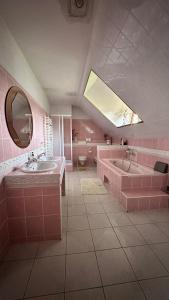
8,149
15,192
51,190
156,181
4,238
17,229
144,203
132,204
51,204
87,129
154,202
33,206
52,224
33,191
3,212
146,181
34,226
153,143
15,207
136,182
164,202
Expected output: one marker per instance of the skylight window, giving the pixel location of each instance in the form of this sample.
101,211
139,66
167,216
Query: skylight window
108,103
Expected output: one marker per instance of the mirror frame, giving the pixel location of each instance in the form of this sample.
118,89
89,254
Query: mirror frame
10,96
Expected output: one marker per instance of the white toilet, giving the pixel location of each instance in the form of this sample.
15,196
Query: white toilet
82,160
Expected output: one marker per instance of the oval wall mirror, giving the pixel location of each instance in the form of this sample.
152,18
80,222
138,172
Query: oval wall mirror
18,117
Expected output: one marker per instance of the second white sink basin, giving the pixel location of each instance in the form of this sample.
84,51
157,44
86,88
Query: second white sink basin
39,167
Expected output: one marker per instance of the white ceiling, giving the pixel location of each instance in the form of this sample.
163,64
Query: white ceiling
126,42
54,44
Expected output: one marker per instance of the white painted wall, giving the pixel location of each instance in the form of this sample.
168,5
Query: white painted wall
61,109
78,113
13,60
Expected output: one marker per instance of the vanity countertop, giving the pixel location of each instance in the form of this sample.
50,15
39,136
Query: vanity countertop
19,178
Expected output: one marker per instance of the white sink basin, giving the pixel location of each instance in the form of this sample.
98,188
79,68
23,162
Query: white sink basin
39,167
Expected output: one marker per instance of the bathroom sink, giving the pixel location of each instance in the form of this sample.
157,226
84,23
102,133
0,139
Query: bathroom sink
39,167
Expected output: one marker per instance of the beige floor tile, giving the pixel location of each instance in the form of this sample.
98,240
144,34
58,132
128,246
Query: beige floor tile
140,217
82,271
144,262
77,223
90,294
162,251
98,221
125,291
64,224
90,198
158,215
164,227
13,279
105,238
51,297
22,251
47,277
114,267
94,208
79,241
51,248
156,289
151,233
119,219
129,236
76,200
112,207
76,210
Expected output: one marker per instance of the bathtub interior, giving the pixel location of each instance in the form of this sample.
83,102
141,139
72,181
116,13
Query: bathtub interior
132,167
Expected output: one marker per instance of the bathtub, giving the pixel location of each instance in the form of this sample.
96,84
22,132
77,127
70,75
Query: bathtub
138,180
133,168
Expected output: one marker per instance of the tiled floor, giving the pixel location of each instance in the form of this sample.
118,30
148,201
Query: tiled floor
105,254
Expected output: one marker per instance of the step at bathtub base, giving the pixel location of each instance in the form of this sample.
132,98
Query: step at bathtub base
140,200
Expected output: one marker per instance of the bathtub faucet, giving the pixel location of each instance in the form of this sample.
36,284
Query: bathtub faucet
131,152
128,151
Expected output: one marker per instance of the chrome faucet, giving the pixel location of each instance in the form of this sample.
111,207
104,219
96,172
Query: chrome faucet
40,155
31,159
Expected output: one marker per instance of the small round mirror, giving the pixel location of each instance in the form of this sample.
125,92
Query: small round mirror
18,117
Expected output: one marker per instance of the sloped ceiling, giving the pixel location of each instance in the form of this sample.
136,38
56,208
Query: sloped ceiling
125,42
130,53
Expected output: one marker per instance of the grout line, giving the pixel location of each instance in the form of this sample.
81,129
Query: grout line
97,262
29,277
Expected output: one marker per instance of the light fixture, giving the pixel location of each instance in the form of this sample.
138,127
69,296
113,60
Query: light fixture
78,8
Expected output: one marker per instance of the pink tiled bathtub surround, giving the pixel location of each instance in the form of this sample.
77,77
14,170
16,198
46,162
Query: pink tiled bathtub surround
145,187
8,149
34,213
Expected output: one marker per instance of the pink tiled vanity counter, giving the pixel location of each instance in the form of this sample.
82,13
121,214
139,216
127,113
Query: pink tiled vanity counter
34,204
134,191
